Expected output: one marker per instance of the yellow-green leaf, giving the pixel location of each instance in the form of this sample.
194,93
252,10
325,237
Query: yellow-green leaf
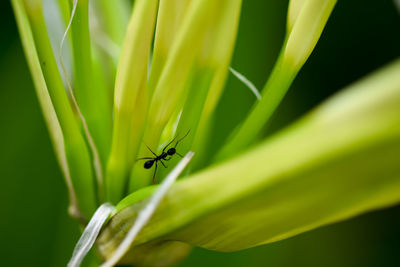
339,161
130,103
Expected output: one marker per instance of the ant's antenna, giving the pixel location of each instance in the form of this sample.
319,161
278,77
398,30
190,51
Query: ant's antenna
177,142
150,149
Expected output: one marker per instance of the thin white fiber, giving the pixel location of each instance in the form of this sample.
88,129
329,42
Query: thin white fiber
69,25
246,82
90,234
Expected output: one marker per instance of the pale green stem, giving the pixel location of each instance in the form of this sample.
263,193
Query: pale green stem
172,86
93,101
77,153
191,115
46,105
170,18
130,101
306,22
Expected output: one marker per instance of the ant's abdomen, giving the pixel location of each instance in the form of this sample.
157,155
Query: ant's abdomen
148,164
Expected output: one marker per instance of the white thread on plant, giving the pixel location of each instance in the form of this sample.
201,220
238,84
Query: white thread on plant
92,145
246,82
146,213
68,27
90,234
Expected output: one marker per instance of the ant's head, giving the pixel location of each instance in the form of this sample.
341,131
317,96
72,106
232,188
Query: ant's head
171,151
148,164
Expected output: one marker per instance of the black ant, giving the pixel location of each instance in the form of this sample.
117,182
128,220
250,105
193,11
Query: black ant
163,156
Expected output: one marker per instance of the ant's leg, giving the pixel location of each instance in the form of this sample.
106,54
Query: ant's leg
154,175
179,154
163,164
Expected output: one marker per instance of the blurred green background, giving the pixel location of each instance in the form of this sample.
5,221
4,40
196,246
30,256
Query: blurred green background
35,230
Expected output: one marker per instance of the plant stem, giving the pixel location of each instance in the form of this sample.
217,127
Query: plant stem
77,154
274,91
93,101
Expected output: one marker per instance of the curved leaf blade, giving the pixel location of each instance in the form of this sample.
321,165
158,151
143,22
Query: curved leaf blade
339,161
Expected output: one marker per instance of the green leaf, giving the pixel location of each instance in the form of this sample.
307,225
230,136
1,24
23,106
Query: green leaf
339,161
131,97
114,18
171,14
77,154
294,9
207,82
197,63
46,105
306,30
306,21
92,100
